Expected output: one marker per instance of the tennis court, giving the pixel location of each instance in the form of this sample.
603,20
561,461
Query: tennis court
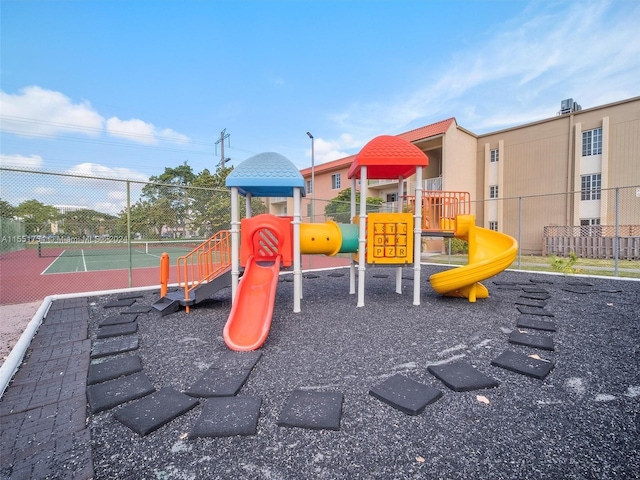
90,257
27,276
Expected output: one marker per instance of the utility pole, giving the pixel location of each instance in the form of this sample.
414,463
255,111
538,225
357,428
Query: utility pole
220,141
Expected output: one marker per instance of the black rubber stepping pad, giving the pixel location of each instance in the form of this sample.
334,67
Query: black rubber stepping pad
119,303
315,410
530,302
380,275
218,382
112,346
136,309
534,290
101,372
541,280
106,395
311,275
462,377
543,342
117,320
336,274
234,361
521,363
228,416
287,279
541,312
609,290
526,321
117,330
536,296
405,394
155,410
127,296
580,290
509,287
503,283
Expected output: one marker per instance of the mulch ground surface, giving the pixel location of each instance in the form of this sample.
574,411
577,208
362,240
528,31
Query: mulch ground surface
569,412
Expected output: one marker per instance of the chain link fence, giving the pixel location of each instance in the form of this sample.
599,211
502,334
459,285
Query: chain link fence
104,233
92,229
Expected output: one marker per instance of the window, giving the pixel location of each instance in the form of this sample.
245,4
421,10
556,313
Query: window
589,221
590,187
493,226
590,227
494,155
335,181
592,142
493,191
309,186
391,197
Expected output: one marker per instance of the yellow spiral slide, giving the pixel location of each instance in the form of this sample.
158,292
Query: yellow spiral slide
490,253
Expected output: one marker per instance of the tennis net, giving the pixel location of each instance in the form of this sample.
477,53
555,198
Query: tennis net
78,248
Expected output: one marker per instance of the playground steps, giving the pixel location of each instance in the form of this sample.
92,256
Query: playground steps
172,301
201,273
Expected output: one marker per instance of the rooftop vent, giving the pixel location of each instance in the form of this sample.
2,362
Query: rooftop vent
568,106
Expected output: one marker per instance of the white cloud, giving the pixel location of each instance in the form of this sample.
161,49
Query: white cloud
134,129
101,195
97,170
117,195
327,150
37,111
173,136
551,51
44,191
107,207
143,132
32,162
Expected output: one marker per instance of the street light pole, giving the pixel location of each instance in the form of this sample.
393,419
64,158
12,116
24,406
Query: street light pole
313,179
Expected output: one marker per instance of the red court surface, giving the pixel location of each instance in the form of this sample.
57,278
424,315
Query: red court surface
22,281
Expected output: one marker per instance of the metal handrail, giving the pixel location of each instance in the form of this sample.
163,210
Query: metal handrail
205,262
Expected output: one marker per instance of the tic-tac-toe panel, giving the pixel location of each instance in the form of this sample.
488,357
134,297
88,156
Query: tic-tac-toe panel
390,238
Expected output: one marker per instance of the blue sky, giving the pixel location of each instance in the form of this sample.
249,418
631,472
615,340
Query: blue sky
125,88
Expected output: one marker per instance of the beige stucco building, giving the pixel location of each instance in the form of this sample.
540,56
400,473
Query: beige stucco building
563,171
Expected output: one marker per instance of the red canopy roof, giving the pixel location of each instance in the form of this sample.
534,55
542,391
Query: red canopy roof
388,157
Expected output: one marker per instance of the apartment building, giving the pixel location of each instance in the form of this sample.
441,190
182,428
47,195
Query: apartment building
560,171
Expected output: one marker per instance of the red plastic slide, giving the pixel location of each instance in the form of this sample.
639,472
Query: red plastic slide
250,318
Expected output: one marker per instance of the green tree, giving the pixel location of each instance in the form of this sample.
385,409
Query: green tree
167,191
196,204
211,202
6,209
339,208
86,222
37,216
148,218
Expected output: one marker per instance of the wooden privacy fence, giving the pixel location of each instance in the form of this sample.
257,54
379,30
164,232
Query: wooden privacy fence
596,241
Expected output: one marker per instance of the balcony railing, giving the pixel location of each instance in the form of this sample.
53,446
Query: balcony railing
434,183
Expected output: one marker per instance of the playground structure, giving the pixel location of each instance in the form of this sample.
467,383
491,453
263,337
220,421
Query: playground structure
264,244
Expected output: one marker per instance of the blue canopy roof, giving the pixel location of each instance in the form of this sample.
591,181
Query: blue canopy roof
267,174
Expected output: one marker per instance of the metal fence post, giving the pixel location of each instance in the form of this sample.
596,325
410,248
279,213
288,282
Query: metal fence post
616,246
519,233
129,233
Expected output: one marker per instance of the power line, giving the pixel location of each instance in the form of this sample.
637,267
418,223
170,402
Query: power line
95,141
